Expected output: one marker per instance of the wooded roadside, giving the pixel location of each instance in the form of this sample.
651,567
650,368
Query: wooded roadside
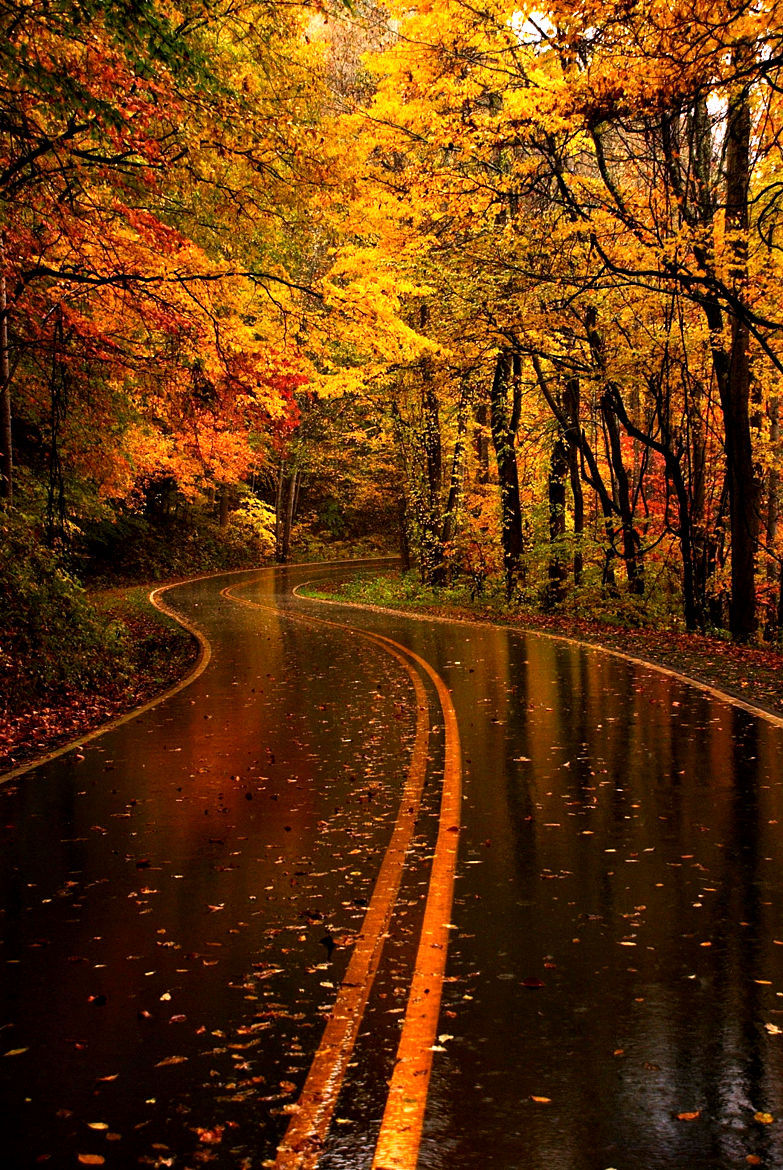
163,653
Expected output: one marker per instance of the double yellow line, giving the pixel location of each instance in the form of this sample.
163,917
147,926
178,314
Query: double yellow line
400,1135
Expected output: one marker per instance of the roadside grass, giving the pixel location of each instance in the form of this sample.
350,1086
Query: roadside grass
396,590
153,648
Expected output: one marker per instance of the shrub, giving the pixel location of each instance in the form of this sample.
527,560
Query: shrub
51,638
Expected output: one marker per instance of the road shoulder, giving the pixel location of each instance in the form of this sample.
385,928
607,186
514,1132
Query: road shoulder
753,675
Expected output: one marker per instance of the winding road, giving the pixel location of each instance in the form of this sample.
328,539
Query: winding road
373,891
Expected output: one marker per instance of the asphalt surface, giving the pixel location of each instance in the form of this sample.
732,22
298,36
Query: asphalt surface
180,898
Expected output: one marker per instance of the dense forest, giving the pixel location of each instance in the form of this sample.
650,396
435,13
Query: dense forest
496,285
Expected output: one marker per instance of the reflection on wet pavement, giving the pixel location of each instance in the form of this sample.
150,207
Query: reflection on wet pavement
179,906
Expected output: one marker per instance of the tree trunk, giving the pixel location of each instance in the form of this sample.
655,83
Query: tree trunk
558,469
285,505
6,436
402,522
224,501
58,402
773,481
279,510
571,412
433,563
457,470
631,549
503,438
697,505
692,608
743,485
621,487
588,467
482,442
293,496
773,502
733,375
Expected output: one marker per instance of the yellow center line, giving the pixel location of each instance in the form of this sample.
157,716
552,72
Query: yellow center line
399,1140
302,1144
400,1136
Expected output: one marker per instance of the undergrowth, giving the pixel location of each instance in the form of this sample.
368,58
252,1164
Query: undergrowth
55,642
406,590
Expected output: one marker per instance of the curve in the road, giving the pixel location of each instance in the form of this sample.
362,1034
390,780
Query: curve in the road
198,668
302,1144
697,684
400,1135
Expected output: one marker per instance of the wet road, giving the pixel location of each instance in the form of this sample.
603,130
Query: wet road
179,907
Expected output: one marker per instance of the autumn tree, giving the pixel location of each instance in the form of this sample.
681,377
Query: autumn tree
143,151
596,196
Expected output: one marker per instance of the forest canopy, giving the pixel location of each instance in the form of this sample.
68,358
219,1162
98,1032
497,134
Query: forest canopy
501,280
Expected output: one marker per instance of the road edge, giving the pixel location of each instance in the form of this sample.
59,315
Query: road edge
599,648
197,669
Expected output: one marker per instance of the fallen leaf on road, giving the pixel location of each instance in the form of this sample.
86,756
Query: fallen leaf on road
210,1137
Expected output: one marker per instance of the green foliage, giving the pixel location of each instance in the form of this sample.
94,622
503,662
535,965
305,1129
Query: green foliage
151,642
139,547
332,517
406,590
56,643
590,601
51,638
617,607
316,545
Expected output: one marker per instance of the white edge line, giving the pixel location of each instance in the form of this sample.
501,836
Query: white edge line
697,684
198,668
